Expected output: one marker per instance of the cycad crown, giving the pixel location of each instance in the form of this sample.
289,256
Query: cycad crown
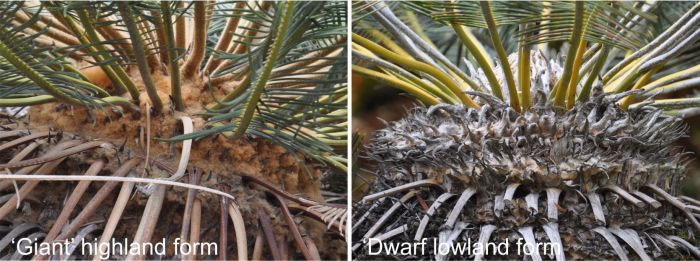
576,151
231,94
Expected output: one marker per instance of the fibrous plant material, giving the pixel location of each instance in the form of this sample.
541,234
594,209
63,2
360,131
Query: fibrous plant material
156,108
95,204
600,160
571,160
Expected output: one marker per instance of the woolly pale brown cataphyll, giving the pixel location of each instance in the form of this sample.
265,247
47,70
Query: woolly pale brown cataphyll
173,118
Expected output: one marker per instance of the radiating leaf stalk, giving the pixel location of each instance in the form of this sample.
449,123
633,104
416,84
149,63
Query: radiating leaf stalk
672,87
42,82
192,64
614,84
641,82
481,57
665,53
401,73
502,55
592,51
586,90
329,115
654,62
654,45
440,59
175,87
625,82
573,83
622,72
338,162
362,9
417,27
254,98
181,30
237,91
148,39
51,29
112,33
252,32
383,38
160,35
226,36
442,89
673,77
396,83
435,91
114,78
588,62
560,90
128,17
393,26
417,66
28,101
524,72
672,47
124,81
578,61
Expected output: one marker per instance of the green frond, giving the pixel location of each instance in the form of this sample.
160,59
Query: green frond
136,40
619,46
490,20
289,74
171,59
604,27
29,70
293,73
362,9
469,13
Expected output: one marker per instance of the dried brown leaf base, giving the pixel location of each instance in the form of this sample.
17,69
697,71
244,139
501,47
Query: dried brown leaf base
97,210
598,181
